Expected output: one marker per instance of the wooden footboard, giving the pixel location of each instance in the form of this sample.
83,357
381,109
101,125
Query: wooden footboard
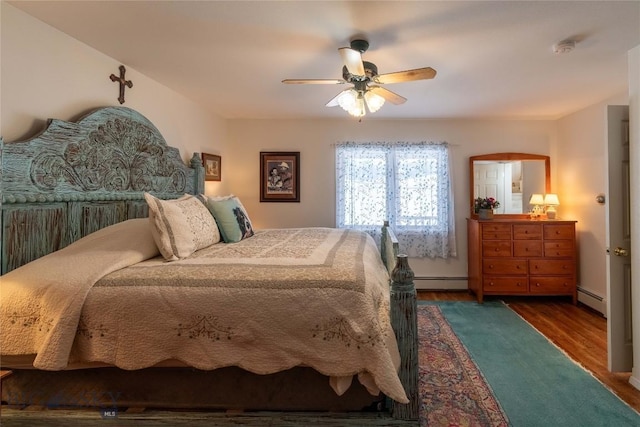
404,322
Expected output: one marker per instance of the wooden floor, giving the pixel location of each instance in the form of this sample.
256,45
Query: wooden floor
578,330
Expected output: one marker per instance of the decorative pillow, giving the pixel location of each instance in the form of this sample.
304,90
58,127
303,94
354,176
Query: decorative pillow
231,217
204,199
217,198
182,226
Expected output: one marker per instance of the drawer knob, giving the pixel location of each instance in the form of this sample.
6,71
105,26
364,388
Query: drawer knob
537,285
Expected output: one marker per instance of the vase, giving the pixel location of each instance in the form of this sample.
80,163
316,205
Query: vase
485,213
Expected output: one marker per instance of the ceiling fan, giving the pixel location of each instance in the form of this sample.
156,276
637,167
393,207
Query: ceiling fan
366,81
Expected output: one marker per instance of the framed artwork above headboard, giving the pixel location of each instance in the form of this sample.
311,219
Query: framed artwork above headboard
75,178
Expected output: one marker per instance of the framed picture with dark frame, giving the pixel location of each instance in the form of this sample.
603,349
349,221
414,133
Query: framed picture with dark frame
280,176
212,167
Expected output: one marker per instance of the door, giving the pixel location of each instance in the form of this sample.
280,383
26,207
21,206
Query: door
491,181
619,338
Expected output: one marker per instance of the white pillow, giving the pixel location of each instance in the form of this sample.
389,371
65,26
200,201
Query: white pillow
182,226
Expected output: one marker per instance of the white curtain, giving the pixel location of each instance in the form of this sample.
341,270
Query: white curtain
408,184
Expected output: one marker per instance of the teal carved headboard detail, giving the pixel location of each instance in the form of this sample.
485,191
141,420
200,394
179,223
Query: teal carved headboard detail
113,151
75,178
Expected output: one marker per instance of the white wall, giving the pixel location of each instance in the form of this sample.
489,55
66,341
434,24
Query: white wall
315,140
47,74
581,174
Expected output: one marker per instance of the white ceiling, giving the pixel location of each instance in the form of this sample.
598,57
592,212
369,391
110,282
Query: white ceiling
494,59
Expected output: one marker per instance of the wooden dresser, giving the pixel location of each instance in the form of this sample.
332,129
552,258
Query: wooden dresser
522,257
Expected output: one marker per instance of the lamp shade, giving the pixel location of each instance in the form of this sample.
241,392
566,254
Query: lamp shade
347,100
374,102
353,102
551,199
536,199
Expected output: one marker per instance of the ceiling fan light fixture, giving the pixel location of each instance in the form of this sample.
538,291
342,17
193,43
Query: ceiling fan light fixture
359,111
374,101
352,102
347,99
366,93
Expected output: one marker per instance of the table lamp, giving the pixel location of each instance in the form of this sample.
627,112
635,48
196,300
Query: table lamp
551,201
537,200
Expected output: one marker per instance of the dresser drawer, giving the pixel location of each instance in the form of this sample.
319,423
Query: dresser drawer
496,231
522,257
527,231
496,248
505,284
507,267
558,231
559,249
551,285
552,267
527,248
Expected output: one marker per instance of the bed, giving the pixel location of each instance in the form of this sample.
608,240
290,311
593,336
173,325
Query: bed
114,280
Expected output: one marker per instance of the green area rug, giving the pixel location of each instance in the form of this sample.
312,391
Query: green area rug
533,381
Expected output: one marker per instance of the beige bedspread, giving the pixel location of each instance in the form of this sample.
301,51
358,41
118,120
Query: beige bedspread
315,297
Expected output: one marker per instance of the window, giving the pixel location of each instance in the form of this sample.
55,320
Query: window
407,184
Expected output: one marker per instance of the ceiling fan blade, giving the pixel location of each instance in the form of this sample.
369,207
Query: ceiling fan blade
406,76
352,60
393,98
314,81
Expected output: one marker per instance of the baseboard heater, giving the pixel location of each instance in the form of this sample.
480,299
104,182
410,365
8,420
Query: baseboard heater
593,300
441,282
590,294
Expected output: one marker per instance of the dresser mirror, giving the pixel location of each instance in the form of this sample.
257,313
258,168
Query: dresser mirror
511,179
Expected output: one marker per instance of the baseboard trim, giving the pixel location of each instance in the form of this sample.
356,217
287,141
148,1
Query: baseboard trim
634,381
593,300
441,283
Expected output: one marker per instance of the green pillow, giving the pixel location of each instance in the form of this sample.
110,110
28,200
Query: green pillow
232,219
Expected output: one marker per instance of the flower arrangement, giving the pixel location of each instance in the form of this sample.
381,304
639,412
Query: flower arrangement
485,203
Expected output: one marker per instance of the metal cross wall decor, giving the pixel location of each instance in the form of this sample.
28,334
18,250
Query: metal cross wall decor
123,82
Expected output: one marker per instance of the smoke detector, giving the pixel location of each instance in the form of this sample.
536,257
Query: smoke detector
564,46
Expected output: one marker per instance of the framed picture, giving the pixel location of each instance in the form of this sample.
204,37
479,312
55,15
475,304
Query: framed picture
280,176
212,167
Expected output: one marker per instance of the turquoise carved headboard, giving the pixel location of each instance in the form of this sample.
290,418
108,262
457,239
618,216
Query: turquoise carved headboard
75,178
